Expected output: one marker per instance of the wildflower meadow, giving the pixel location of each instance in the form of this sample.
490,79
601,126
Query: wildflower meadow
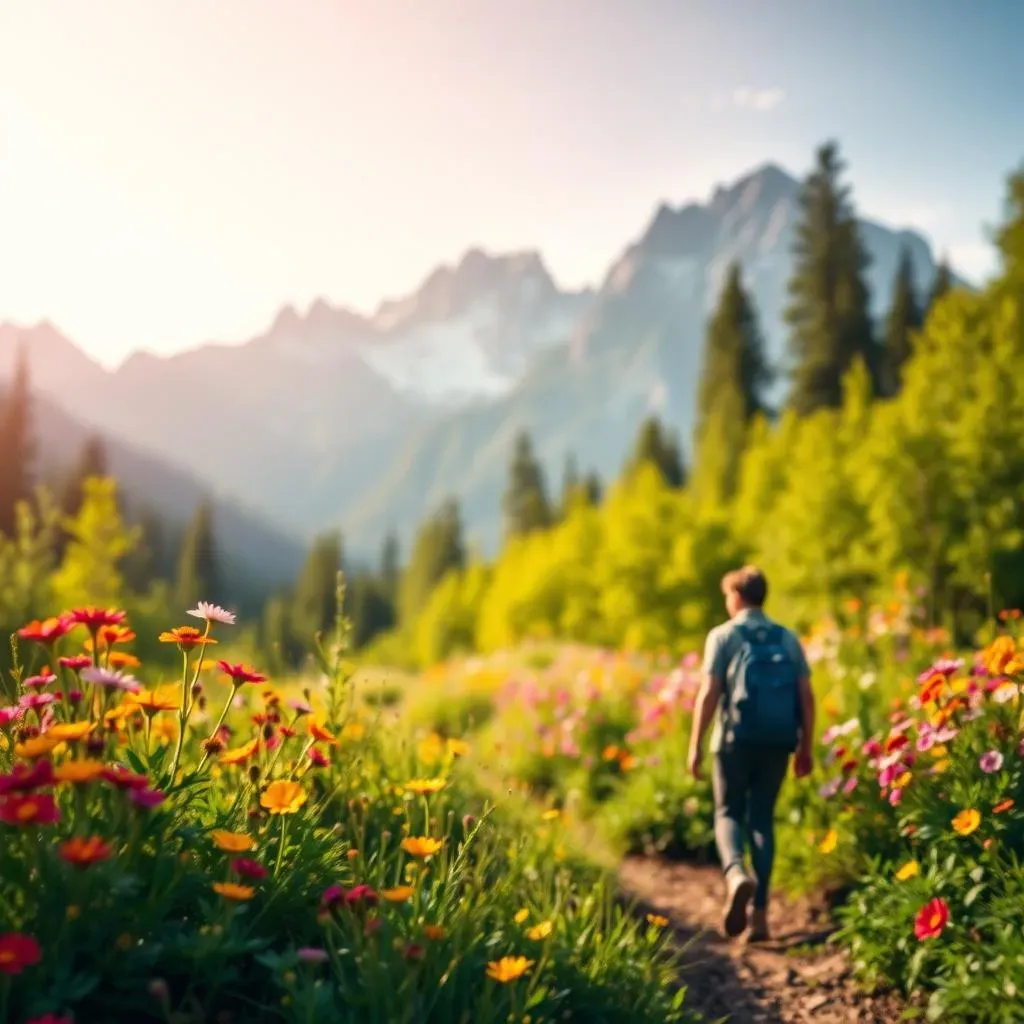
222,848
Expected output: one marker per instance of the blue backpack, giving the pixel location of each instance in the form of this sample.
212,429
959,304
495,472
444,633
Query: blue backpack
762,700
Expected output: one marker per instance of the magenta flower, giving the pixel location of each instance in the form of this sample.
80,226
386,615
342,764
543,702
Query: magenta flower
943,667
895,797
146,798
991,761
38,682
850,785
312,955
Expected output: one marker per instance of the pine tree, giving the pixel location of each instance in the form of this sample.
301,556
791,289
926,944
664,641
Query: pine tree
368,608
390,568
199,574
17,447
150,560
315,605
734,379
92,462
525,504
437,550
1009,238
942,283
656,445
573,491
905,316
828,316
593,488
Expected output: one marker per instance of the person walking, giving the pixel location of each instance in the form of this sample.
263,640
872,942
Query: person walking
756,677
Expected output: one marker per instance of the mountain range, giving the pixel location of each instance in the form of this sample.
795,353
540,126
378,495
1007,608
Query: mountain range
333,418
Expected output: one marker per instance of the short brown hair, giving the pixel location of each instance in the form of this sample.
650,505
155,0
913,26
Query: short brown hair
749,583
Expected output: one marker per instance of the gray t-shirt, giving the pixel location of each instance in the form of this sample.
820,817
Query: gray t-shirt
722,645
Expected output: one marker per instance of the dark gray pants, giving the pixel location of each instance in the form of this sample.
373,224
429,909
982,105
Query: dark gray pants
746,782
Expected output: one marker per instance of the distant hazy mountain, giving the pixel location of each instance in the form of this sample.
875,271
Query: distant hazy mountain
332,418
254,555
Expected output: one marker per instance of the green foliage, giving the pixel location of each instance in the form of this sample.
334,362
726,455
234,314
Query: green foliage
525,504
98,542
828,315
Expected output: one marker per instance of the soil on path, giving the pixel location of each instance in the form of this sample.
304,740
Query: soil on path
797,977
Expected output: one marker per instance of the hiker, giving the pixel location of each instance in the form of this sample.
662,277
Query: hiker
756,676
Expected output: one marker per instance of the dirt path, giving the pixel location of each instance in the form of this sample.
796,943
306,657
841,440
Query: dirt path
798,977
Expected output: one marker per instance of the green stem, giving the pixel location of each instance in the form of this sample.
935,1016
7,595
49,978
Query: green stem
280,848
220,722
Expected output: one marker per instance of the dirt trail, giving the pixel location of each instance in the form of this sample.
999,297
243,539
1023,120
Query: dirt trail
798,977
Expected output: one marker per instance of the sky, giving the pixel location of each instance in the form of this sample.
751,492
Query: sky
175,171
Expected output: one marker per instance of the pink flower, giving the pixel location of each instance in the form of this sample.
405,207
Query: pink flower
946,733
76,663
850,785
311,955
212,613
872,748
991,761
36,700
8,715
38,682
895,797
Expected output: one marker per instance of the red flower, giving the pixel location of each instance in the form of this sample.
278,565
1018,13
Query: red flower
333,895
17,952
932,918
248,868
24,779
48,631
414,951
76,663
33,809
318,758
361,895
125,779
240,673
95,618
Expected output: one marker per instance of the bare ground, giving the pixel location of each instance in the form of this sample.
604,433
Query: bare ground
797,977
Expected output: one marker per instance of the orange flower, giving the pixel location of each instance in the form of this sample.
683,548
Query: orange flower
657,920
79,771
186,637
399,894
283,797
47,631
932,689
540,931
232,842
164,698
85,851
966,822
998,654
37,746
421,846
433,931
318,732
508,968
234,891
70,730
1003,805
122,659
240,754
